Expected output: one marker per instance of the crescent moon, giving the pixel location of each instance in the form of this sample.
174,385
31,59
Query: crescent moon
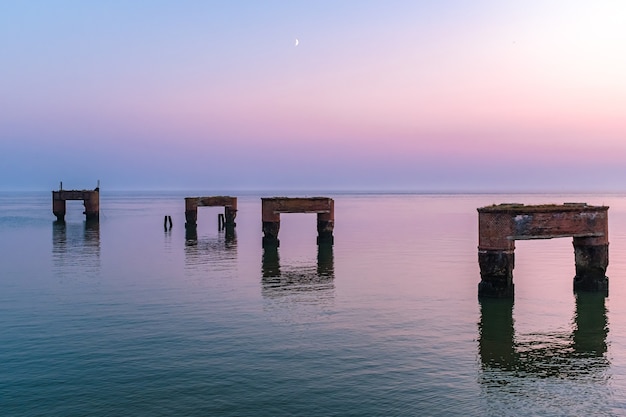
297,42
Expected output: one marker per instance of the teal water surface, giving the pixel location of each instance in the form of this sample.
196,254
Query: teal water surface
123,317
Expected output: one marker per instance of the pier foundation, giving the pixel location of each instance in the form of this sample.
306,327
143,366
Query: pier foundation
272,207
591,262
229,204
90,198
501,225
496,272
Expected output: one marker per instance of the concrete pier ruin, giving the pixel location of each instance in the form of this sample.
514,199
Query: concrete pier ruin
90,198
272,207
499,226
192,204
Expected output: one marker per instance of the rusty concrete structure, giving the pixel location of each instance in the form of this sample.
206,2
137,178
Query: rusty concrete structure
272,207
90,198
499,226
192,204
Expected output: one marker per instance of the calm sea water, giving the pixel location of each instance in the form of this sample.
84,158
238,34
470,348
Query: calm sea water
124,318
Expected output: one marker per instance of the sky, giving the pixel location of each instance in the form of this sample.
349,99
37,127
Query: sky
426,96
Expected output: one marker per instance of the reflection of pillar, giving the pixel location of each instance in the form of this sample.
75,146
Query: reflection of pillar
271,225
496,333
496,273
59,233
191,236
92,205
325,225
191,212
589,336
325,260
58,207
270,263
591,256
230,236
230,212
92,231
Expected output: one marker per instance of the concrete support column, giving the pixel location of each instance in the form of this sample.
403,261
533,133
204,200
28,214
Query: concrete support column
325,226
92,206
591,260
271,223
230,212
58,208
496,273
270,234
191,212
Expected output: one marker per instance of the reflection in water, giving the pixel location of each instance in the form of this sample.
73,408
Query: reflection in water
295,280
218,251
496,333
76,249
325,261
589,335
574,355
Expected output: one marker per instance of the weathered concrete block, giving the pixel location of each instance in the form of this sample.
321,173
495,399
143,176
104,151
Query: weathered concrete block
496,273
270,234
591,263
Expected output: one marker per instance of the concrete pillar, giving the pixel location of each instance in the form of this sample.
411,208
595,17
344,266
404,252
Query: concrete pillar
191,212
92,206
325,225
230,212
591,257
496,273
271,224
270,234
58,207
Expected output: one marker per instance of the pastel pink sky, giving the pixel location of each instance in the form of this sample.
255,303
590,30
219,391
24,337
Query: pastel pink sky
399,95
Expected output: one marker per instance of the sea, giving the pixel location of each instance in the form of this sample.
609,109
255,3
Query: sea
125,317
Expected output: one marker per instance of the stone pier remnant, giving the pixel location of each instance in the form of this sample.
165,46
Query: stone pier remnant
229,204
499,226
272,207
91,201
